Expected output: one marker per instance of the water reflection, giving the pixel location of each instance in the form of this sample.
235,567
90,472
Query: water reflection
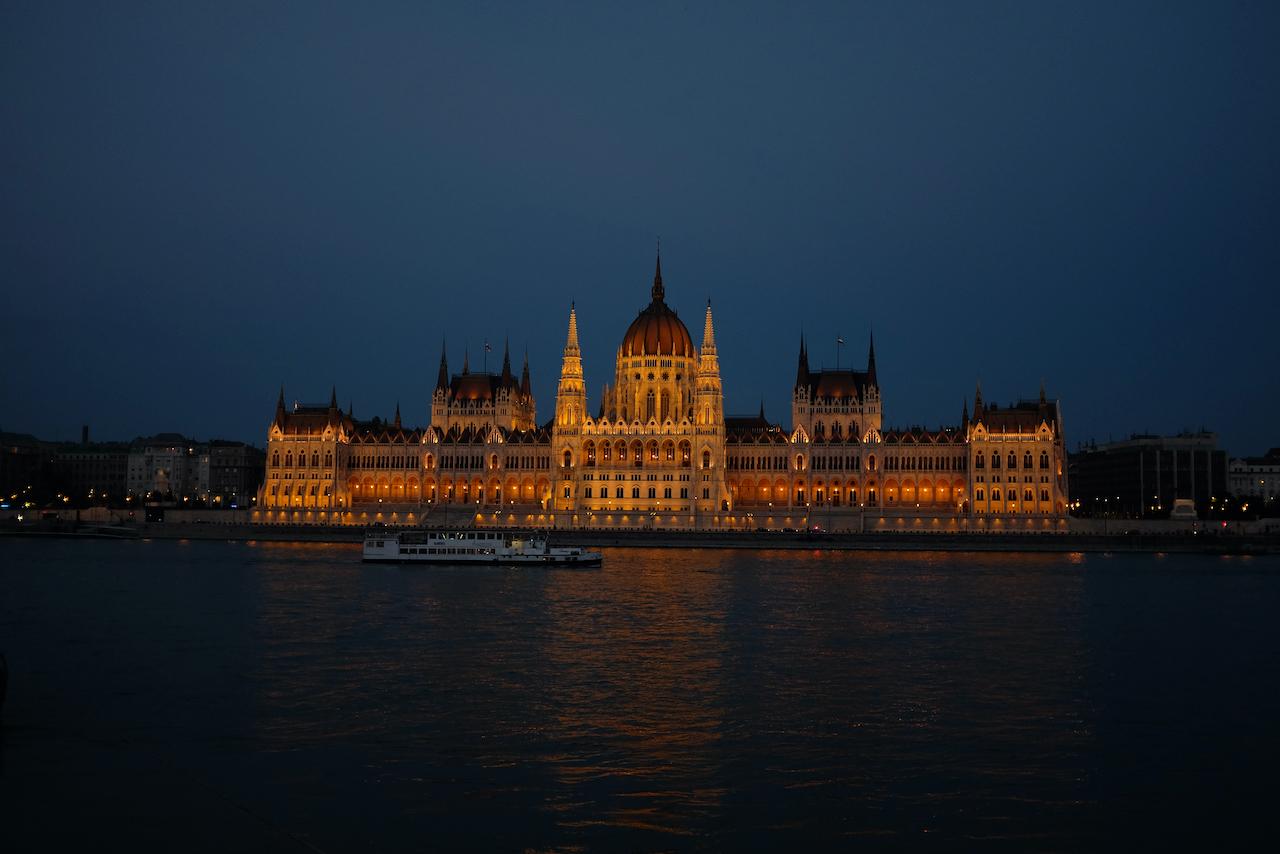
689,692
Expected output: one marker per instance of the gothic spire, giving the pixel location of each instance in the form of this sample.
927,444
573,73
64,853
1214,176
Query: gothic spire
871,361
708,332
280,406
466,360
397,421
507,378
571,343
525,388
442,378
658,292
977,402
333,398
802,365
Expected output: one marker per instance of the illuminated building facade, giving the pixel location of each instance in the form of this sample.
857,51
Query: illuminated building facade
660,452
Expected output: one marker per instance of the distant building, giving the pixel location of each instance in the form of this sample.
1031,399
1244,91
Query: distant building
1256,477
235,473
26,468
168,466
658,450
1141,476
92,472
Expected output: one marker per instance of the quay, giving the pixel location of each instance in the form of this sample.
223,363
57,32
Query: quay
1130,540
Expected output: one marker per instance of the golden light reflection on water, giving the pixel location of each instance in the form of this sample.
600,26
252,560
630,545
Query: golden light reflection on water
672,687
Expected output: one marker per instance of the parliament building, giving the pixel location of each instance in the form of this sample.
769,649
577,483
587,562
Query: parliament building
659,452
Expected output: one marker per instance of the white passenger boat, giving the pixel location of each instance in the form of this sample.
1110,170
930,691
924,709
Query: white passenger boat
485,547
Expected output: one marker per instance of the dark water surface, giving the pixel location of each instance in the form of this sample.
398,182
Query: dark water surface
225,696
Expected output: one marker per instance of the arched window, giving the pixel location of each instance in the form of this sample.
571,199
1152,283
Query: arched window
1044,459
706,459
666,404
980,461
288,459
1026,460
818,430
568,458
995,460
275,459
978,495
995,495
1013,460
648,406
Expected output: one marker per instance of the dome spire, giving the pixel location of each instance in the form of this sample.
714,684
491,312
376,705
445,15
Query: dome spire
658,291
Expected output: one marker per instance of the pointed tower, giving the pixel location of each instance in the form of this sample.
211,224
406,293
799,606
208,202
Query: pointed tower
709,421
871,362
977,403
333,399
571,412
466,361
710,398
508,379
279,420
440,397
397,420
571,394
442,378
526,389
802,366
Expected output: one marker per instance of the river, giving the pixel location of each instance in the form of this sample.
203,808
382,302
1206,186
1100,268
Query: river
233,696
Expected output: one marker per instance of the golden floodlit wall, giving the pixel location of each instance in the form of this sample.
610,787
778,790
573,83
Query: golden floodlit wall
660,452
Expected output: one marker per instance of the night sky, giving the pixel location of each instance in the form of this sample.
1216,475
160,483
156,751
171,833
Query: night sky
199,202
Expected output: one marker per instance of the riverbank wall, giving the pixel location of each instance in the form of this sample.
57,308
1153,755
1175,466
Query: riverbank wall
1211,542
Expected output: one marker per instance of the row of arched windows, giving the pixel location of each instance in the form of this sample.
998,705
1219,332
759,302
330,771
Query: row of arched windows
301,459
979,461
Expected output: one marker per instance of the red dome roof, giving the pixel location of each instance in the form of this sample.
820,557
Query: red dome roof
657,331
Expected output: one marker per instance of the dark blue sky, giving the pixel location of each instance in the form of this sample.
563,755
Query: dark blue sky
201,201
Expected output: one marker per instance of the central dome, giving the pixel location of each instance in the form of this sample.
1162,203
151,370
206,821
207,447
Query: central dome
657,331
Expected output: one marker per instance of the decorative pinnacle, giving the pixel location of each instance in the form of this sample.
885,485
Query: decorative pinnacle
658,291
